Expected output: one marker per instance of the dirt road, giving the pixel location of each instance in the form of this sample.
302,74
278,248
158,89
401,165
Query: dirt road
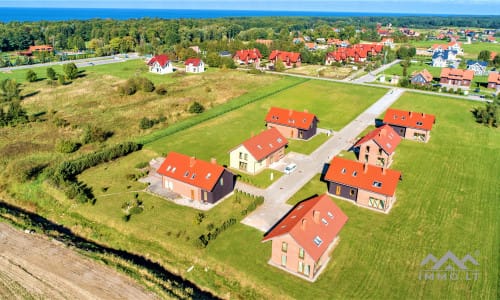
32,266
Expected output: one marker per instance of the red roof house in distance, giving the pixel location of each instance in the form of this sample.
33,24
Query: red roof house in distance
291,123
410,125
289,59
368,186
247,57
160,64
423,77
456,78
195,179
378,147
304,239
258,152
194,65
37,49
494,80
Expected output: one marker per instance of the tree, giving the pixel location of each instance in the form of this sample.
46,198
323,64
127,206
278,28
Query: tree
9,90
488,115
70,70
405,64
51,74
484,55
196,108
496,61
279,66
31,76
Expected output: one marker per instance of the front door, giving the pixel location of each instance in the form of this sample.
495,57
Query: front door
192,194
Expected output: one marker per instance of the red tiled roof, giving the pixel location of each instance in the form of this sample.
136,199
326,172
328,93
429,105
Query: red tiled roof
40,48
326,227
409,119
457,74
352,173
249,54
425,74
494,77
265,143
492,55
162,59
384,136
192,61
291,118
285,56
310,45
190,170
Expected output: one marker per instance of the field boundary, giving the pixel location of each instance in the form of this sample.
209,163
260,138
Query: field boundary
212,113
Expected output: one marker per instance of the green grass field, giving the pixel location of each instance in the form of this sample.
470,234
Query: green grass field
471,51
414,67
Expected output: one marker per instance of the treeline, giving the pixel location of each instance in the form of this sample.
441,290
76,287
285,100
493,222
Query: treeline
150,34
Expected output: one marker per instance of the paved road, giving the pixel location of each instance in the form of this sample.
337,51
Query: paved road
370,77
275,196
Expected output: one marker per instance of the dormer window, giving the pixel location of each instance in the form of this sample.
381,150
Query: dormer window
279,140
208,176
173,170
354,174
259,146
169,167
186,174
324,221
270,145
318,241
419,123
330,215
193,176
377,184
343,170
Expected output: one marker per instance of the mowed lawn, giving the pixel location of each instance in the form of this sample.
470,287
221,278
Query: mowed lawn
447,201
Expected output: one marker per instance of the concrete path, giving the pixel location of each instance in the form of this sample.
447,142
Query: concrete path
370,77
275,196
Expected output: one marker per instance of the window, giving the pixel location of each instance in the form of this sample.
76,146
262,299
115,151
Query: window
343,170
168,168
330,215
173,170
241,155
318,241
352,192
208,176
221,181
354,174
284,246
283,259
337,190
419,123
279,140
186,174
307,269
367,148
301,267
377,184
205,196
380,151
193,176
324,221
301,253
376,203
246,156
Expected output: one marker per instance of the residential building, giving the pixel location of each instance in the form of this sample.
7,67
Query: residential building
410,125
194,65
289,59
494,81
443,58
292,124
378,147
423,77
366,185
388,42
160,64
268,43
304,239
195,179
456,78
479,67
258,152
247,57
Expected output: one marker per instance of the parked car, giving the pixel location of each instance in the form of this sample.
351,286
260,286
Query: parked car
290,168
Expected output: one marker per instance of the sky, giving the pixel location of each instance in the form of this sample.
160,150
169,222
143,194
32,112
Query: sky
482,7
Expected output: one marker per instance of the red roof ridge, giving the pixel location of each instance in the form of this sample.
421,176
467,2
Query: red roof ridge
384,136
409,119
265,143
291,118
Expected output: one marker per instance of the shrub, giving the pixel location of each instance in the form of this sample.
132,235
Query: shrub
70,70
161,90
146,123
128,88
66,146
95,134
61,79
196,108
144,84
31,76
51,74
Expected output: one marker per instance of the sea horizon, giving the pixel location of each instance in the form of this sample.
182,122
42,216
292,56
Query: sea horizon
33,14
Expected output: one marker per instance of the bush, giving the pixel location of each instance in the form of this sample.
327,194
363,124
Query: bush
65,146
144,84
161,90
71,71
51,74
146,123
61,79
31,76
95,134
196,108
128,88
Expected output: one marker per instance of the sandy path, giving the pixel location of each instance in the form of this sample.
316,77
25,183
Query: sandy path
31,266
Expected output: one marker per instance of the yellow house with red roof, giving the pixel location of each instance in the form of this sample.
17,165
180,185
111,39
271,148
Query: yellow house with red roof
258,152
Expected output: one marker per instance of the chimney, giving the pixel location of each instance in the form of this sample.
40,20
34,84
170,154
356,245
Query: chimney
290,112
303,224
384,170
192,160
316,216
365,167
423,115
213,161
410,113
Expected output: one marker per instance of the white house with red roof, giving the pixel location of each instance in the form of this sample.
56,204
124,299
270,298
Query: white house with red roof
195,179
160,64
258,152
366,185
194,65
410,125
291,123
378,147
304,239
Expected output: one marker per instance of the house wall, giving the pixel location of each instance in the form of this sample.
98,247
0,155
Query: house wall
292,255
253,166
286,131
341,190
182,188
274,157
400,130
374,154
221,189
411,132
419,79
364,199
195,69
156,68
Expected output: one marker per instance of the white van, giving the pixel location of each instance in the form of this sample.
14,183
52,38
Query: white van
290,168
